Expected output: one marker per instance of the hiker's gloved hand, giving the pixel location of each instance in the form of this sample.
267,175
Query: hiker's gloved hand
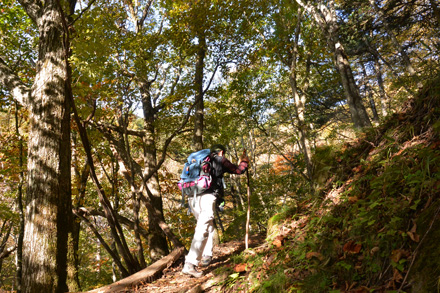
220,202
244,157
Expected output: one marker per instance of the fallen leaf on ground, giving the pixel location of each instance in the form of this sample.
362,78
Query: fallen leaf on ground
352,247
240,268
396,255
311,254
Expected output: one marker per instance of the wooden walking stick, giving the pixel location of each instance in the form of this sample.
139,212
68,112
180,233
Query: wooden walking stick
248,213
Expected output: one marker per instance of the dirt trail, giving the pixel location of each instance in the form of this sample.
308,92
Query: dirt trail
173,280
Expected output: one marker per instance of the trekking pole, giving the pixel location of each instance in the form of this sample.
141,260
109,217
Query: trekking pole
219,220
248,213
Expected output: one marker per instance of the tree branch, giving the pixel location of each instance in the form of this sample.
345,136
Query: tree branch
33,9
20,92
123,220
281,153
144,14
115,257
6,252
82,12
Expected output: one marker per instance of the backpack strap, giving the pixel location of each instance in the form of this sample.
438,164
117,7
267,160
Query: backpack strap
194,198
182,204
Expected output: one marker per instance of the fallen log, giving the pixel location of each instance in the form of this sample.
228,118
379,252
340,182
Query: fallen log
147,275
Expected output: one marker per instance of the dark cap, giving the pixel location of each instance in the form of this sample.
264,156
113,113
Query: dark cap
217,148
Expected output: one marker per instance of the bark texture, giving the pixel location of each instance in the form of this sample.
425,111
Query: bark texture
48,201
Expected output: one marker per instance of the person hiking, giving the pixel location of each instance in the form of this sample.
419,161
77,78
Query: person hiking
203,209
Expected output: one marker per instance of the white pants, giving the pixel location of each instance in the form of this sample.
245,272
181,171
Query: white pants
202,242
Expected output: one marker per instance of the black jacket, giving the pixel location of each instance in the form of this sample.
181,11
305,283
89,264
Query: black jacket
221,165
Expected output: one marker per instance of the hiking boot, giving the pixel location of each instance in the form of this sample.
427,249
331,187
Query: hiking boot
189,269
206,260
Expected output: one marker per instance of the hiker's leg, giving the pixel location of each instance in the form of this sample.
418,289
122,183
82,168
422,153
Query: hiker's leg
204,225
195,208
210,241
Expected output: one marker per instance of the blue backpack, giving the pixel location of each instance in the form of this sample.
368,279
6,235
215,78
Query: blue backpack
196,174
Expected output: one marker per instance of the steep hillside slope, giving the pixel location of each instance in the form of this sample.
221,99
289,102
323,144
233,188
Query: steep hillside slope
374,224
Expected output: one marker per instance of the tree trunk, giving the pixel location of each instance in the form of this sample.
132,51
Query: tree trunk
326,19
382,94
48,210
157,241
19,272
436,10
369,94
81,177
300,100
358,113
110,213
123,121
405,58
73,260
198,81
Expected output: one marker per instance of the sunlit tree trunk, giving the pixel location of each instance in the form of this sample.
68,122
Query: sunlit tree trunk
358,113
382,94
48,201
300,100
325,17
198,81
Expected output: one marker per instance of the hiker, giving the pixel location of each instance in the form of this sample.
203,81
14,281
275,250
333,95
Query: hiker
204,207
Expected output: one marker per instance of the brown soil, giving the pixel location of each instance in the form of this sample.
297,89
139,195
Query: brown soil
173,280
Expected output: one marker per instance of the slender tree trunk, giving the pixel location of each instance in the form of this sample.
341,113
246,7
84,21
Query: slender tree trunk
111,215
81,177
48,200
369,94
300,100
123,121
357,109
326,19
19,271
358,113
372,105
73,225
115,195
382,94
235,186
198,81
405,58
73,263
436,10
157,241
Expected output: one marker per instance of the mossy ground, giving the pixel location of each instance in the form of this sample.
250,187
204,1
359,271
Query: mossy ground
371,224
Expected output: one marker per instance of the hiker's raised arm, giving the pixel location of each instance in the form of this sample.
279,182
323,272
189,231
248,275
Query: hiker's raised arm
234,169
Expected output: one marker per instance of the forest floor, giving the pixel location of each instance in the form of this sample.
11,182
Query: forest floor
173,280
